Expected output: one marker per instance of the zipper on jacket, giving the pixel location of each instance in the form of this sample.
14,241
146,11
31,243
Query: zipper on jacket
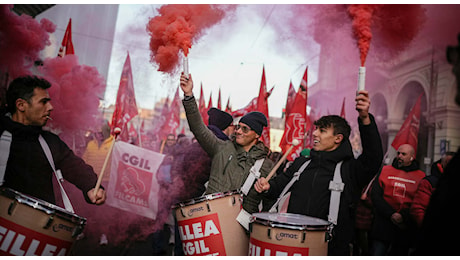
228,162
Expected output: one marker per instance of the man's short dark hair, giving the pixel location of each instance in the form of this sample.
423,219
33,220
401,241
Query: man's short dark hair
338,123
23,87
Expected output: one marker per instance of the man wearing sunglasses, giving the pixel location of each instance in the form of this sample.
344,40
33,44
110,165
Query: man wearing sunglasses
327,184
232,160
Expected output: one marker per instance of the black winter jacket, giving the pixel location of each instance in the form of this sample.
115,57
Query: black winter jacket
310,195
29,172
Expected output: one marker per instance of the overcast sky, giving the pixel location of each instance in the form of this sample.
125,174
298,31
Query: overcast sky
229,56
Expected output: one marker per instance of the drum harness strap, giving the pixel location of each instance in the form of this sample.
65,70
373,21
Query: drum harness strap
254,173
57,174
336,187
5,143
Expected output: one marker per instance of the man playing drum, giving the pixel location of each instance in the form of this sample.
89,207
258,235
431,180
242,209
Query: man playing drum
315,192
27,169
232,160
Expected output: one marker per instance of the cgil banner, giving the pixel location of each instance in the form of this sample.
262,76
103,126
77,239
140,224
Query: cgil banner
133,183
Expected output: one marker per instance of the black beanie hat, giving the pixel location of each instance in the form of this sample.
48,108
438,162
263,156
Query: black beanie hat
219,118
255,120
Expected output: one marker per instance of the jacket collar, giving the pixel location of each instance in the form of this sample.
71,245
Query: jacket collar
20,129
412,167
343,152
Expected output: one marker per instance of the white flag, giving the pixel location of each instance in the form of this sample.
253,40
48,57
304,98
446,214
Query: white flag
133,182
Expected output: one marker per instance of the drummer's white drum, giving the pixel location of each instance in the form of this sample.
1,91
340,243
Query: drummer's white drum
287,234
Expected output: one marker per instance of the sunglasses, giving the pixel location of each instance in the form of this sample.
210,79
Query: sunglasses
245,129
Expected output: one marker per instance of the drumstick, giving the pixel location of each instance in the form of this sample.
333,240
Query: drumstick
295,142
116,131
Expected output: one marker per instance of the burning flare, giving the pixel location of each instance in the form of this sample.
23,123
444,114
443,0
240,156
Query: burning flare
175,29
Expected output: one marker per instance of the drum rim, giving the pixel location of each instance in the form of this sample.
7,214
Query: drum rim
295,226
206,197
41,205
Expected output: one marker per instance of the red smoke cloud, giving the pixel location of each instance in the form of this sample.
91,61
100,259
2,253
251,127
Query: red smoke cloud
395,25
175,29
361,15
75,93
21,40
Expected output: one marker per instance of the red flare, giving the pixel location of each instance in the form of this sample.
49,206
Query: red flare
175,29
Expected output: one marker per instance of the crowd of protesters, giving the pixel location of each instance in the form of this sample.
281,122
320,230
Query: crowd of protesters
390,209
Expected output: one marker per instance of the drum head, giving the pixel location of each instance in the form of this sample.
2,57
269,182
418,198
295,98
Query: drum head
41,205
211,196
290,220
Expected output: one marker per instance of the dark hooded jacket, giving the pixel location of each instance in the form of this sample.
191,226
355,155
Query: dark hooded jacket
29,172
310,195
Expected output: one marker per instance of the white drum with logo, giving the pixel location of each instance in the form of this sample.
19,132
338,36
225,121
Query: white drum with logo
286,234
30,226
208,226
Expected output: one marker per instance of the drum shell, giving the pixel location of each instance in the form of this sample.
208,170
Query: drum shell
35,219
282,238
227,206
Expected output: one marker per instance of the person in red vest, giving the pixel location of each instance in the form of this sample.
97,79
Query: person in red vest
427,186
392,195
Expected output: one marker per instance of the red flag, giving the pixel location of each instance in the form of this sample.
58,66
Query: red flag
262,106
248,108
141,129
308,140
219,105
162,119
129,134
125,107
289,100
202,106
67,45
133,133
297,122
228,108
408,134
342,112
210,102
173,119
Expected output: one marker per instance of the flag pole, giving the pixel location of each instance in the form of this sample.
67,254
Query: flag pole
295,142
117,131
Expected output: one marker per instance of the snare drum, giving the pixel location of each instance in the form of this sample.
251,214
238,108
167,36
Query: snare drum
29,226
287,234
208,226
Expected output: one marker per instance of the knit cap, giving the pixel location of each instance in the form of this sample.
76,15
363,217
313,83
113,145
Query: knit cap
219,118
255,120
